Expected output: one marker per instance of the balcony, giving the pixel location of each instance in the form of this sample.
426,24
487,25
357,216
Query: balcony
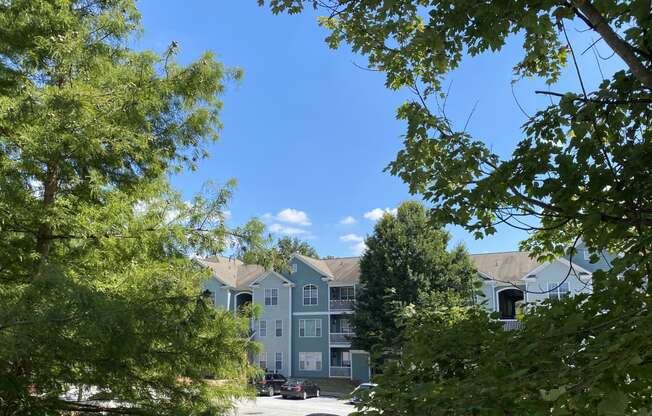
342,304
343,372
511,324
341,337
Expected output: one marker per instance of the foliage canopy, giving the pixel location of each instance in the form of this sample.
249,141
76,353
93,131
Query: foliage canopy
277,254
580,171
404,258
97,291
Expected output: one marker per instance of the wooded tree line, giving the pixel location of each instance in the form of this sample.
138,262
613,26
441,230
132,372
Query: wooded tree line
580,171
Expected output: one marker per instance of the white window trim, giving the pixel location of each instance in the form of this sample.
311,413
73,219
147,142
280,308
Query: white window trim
349,360
271,297
276,360
303,293
557,286
260,360
320,361
350,327
302,322
276,327
347,287
260,325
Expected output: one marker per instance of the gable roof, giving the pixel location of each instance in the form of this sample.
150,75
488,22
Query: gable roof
344,269
576,268
263,276
504,267
507,267
233,272
316,264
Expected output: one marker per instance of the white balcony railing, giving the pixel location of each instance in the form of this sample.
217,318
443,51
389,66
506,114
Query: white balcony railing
511,324
344,372
342,304
341,337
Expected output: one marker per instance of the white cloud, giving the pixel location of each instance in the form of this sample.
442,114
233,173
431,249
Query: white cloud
359,248
293,216
351,237
348,220
282,229
288,216
377,213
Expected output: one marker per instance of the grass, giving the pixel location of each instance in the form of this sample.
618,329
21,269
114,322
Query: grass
337,387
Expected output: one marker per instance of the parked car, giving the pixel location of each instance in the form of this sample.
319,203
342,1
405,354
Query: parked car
364,389
299,388
270,384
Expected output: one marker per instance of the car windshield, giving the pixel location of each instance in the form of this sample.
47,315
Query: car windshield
292,383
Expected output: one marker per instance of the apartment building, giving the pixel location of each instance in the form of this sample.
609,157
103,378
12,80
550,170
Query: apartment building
305,328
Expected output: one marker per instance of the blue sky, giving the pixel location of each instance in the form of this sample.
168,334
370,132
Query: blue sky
307,133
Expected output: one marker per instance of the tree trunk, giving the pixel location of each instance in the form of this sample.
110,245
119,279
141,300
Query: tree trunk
619,46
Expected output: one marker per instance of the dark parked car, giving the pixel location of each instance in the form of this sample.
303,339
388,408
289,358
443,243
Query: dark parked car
299,388
270,384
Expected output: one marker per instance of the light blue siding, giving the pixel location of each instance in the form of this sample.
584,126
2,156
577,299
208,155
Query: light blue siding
360,366
220,295
555,273
271,344
310,344
582,259
488,295
306,275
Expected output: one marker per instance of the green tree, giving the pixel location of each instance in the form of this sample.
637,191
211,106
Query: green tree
278,254
580,171
581,168
455,360
97,292
405,256
287,246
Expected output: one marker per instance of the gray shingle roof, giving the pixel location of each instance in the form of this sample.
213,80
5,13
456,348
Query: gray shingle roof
317,264
233,272
505,267
345,269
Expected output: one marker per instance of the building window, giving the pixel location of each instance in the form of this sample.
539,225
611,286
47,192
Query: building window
343,293
262,360
345,326
310,295
293,268
279,328
310,328
587,255
262,328
557,290
278,362
271,297
346,358
310,361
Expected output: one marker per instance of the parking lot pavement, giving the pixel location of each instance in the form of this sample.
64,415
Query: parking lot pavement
277,406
